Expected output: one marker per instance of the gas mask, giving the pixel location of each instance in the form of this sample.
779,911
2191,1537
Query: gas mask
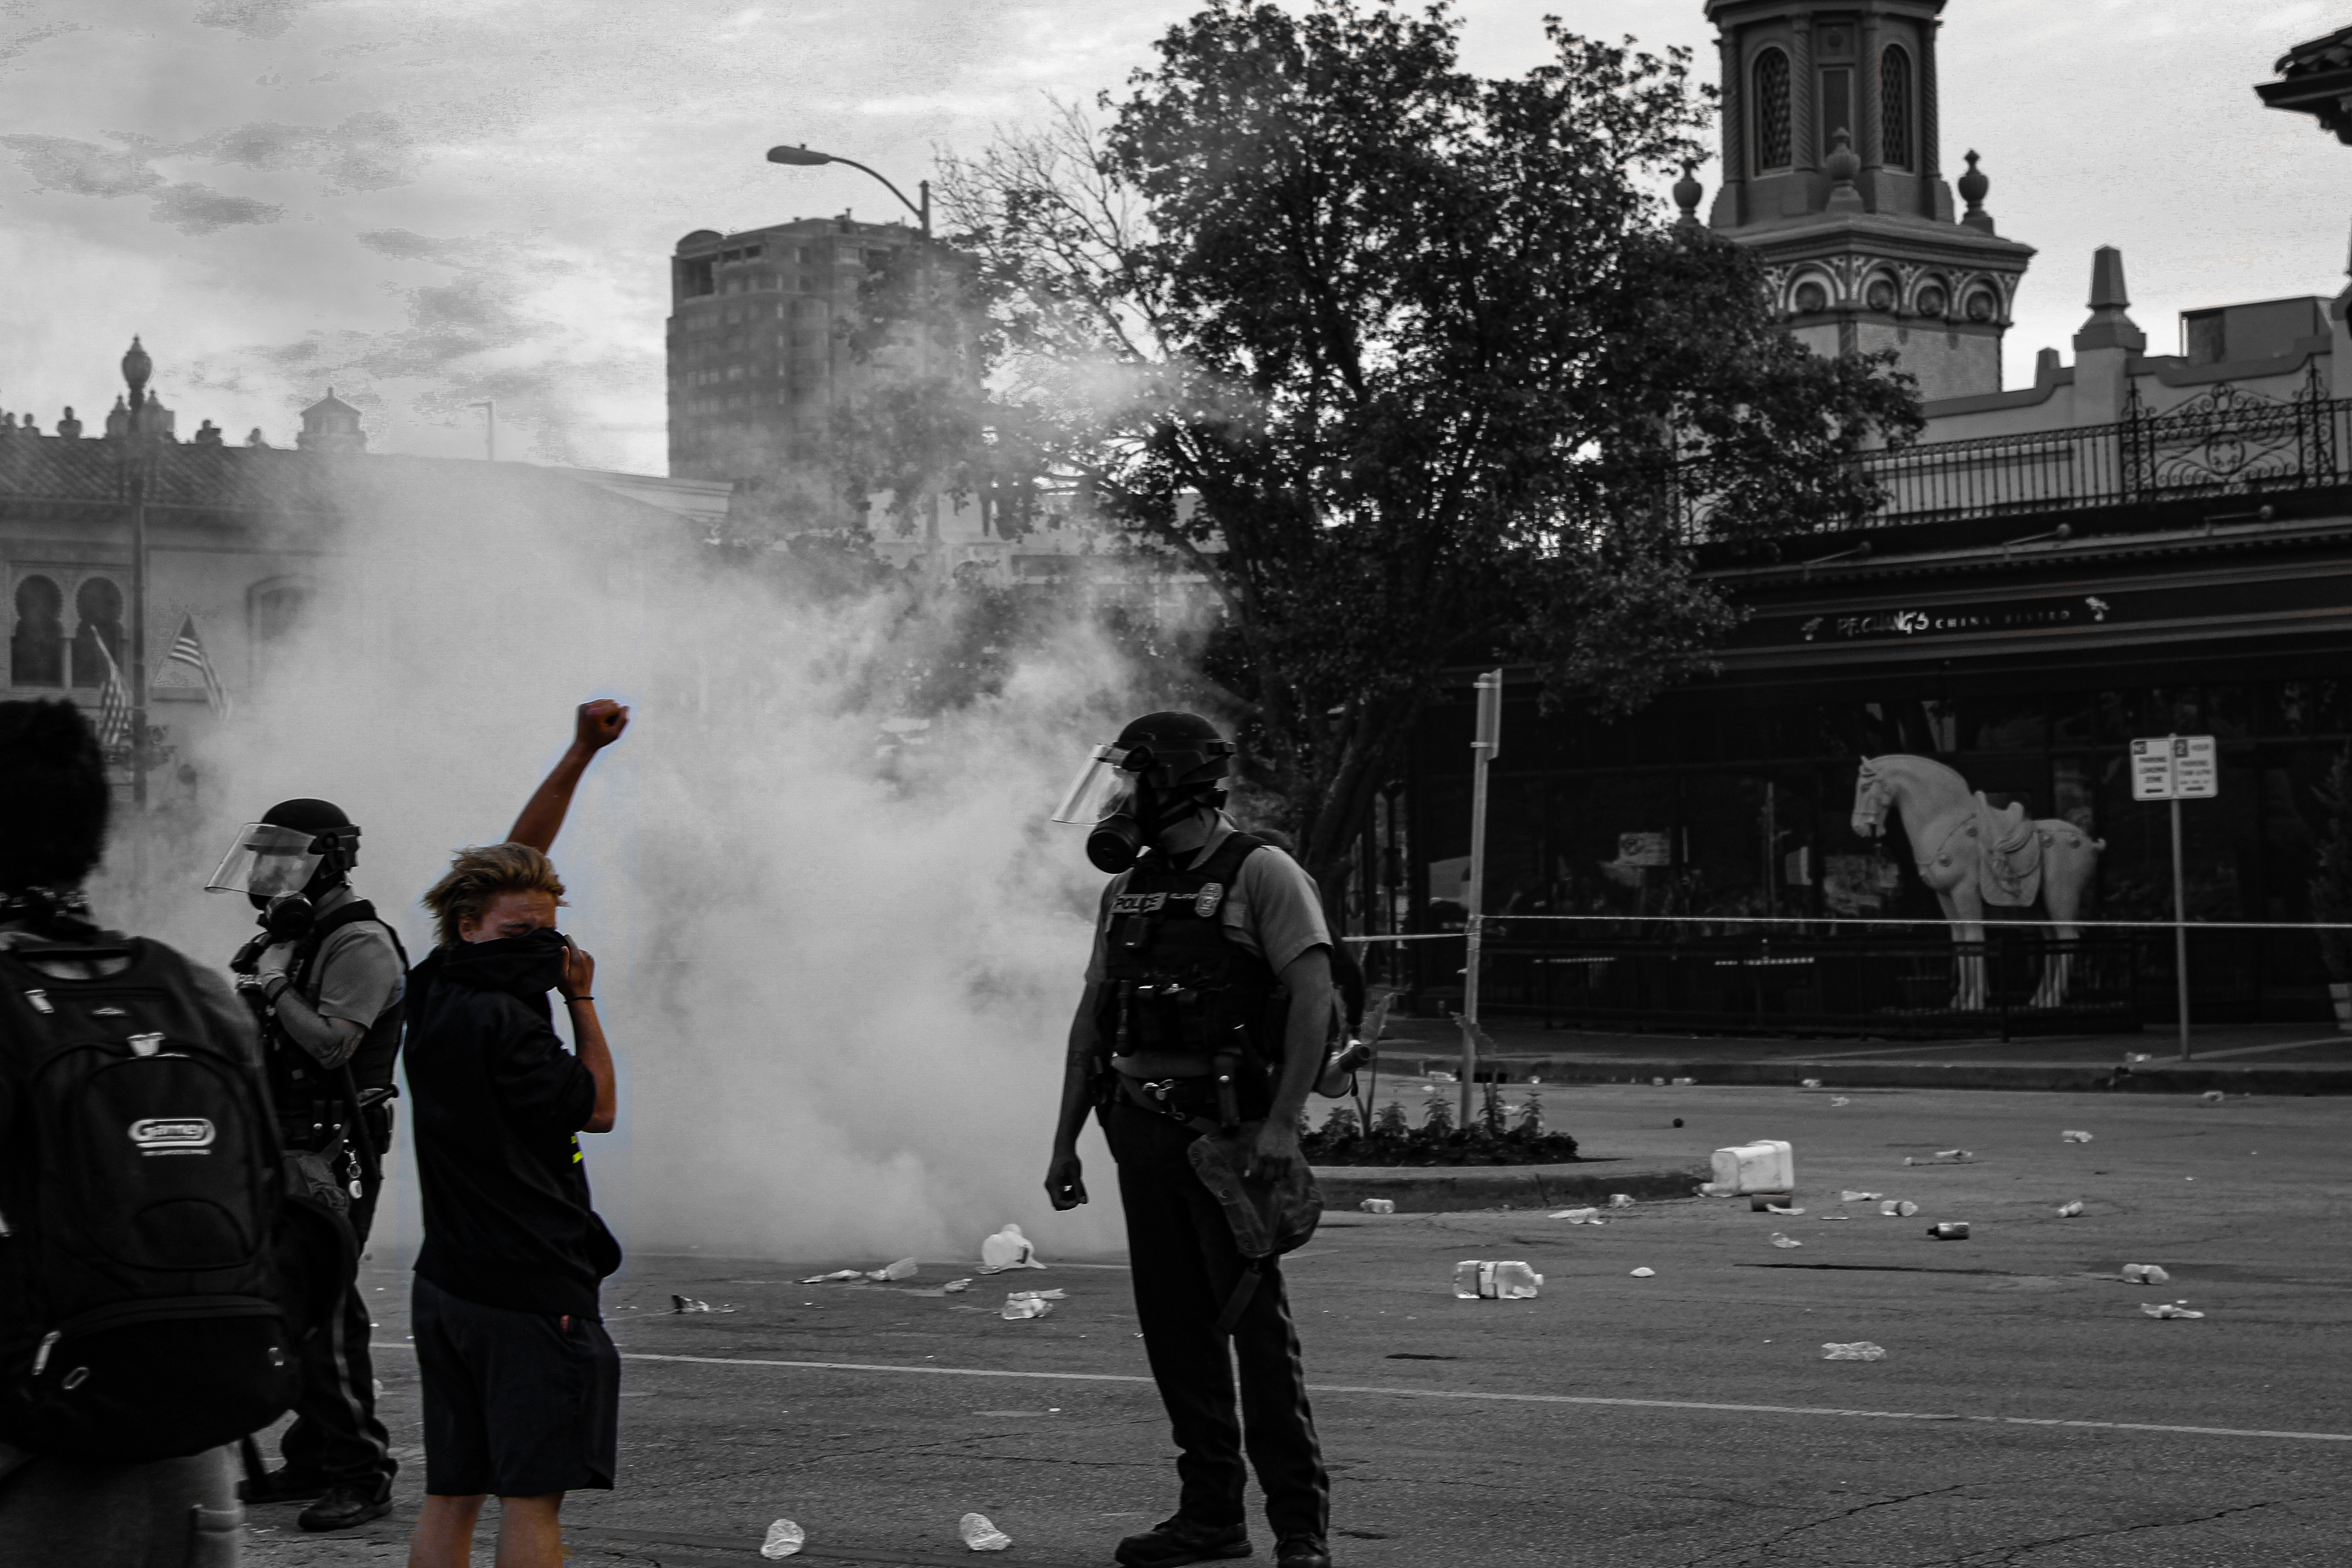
1119,798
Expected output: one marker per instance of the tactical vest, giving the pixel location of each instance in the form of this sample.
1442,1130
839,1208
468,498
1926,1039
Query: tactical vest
1176,985
306,1094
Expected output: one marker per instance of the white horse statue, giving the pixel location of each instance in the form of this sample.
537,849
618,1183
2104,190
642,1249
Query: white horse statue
1972,855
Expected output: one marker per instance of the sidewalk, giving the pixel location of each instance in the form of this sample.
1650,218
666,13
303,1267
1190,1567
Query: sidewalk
2238,1059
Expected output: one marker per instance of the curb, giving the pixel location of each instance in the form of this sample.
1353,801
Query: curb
1441,1189
2140,1078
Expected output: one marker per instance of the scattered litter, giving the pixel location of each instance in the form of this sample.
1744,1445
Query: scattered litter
1477,1279
1835,1218
1378,1206
1581,1216
2146,1274
1620,1200
980,1535
1860,1350
1055,1294
1019,1307
688,1304
1008,1248
1678,1122
1851,1196
1903,1210
1780,1240
1442,1078
2212,1097
1684,1082
836,1274
1767,1165
1838,1099
2071,1210
955,1287
1777,1209
902,1269
2168,1310
785,1540
1644,1273
1949,1230
1941,1157
2137,1056
2073,1137
1812,1083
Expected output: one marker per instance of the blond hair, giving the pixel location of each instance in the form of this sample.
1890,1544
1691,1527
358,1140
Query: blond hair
477,879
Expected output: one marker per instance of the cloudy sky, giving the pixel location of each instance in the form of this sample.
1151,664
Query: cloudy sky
428,203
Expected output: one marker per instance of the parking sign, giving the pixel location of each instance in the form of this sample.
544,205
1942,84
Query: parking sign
2175,767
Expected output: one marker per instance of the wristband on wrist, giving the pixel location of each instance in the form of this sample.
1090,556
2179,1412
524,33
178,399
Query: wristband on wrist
569,1000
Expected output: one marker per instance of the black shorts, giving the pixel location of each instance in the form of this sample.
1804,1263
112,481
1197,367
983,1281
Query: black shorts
516,1403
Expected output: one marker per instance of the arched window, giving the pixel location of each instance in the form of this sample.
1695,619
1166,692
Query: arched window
276,610
1771,110
37,652
98,609
1895,106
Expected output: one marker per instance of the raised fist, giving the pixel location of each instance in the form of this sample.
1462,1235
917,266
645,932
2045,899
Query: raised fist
599,724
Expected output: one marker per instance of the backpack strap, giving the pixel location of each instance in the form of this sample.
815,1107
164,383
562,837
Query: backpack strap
306,951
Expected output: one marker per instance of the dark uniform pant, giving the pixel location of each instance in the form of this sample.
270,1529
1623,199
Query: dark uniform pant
1185,1266
335,1432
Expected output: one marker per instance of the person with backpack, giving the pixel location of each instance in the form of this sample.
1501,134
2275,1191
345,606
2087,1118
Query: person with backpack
521,1385
144,1301
325,978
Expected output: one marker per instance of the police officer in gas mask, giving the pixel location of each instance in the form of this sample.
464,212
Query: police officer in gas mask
325,977
1203,1026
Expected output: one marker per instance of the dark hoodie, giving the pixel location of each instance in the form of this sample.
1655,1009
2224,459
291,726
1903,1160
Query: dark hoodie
499,1103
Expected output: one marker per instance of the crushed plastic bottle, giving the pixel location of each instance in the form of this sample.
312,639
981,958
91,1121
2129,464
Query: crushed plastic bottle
1507,1280
1684,1082
1898,1208
688,1304
1810,1083
2071,1209
2212,1097
955,1287
836,1274
1378,1206
1860,1350
1620,1200
2168,1310
1949,1230
1779,1208
980,1535
2146,1274
1850,1195
1780,1240
785,1540
905,1269
1019,1307
1008,1248
1645,1274
2070,1136
1838,1099
1055,1294
1580,1216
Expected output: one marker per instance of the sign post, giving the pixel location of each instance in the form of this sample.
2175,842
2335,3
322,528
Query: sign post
2174,768
1484,746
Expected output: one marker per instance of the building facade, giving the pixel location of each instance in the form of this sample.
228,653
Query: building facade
2136,545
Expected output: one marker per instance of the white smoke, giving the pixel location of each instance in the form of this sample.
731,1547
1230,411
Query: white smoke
837,974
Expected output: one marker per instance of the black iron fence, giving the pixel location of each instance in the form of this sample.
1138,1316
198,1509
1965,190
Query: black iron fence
2225,442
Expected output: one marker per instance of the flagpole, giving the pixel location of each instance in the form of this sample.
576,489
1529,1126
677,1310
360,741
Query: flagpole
139,628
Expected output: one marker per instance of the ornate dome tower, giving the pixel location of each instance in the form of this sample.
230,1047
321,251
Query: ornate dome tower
1832,170
330,425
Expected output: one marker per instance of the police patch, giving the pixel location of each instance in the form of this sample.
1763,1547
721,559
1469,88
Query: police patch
1205,902
1137,903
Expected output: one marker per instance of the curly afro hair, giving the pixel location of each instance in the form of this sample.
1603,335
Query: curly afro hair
54,795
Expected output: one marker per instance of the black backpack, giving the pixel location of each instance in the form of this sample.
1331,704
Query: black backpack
142,1307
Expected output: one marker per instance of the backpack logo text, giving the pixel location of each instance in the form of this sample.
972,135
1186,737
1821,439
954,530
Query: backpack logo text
173,1135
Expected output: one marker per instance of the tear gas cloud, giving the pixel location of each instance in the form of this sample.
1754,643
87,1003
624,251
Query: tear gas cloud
837,973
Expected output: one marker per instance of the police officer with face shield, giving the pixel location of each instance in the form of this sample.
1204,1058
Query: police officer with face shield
1204,1021
325,977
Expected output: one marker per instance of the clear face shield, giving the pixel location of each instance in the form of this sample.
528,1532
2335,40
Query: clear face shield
1101,788
266,860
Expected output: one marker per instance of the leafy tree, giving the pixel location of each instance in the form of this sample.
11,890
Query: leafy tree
1411,367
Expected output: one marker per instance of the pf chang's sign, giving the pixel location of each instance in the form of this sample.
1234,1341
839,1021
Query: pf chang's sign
1947,620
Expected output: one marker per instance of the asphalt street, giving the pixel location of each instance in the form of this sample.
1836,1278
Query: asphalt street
2027,1412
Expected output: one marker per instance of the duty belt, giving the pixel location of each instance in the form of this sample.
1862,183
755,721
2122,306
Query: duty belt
1175,1097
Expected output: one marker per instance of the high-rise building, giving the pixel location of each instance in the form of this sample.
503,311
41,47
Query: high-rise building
1832,170
756,366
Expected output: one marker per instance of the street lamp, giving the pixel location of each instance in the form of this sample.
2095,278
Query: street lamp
802,158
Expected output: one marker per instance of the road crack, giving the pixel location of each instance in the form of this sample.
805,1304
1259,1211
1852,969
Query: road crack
2009,1554
1763,1549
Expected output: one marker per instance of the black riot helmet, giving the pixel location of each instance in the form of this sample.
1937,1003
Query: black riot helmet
1162,768
300,847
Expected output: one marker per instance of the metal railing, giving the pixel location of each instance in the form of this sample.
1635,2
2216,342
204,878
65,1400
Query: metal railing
2225,442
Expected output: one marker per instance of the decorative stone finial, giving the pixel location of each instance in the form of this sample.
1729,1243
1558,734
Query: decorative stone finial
1972,188
136,368
1842,165
1687,191
2109,327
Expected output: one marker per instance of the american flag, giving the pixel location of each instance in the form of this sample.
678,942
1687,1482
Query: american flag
187,649
113,702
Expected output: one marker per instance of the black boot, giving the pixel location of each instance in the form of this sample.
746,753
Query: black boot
283,1484
1178,1540
348,1503
1302,1552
